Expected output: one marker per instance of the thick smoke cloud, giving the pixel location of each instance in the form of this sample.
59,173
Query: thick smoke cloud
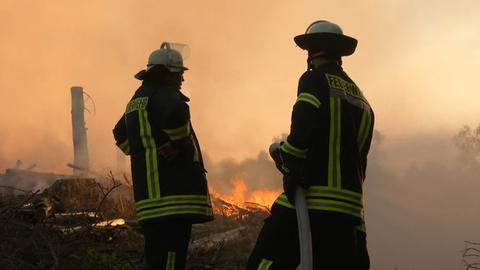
244,67
421,196
416,61
421,208
258,173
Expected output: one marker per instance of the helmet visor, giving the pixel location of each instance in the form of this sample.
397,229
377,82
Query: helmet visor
183,49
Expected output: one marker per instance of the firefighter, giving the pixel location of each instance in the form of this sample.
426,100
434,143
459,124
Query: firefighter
325,153
170,187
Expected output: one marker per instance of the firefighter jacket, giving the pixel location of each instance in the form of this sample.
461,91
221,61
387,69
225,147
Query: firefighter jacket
330,135
167,167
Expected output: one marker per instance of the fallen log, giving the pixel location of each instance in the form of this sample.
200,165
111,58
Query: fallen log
217,239
98,225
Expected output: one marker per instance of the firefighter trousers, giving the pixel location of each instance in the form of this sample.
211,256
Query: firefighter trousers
166,244
335,244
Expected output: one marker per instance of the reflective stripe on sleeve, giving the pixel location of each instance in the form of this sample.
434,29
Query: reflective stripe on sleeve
361,228
125,147
196,153
170,261
309,98
178,133
292,150
364,129
264,264
283,201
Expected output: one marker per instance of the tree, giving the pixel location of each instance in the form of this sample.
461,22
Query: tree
467,141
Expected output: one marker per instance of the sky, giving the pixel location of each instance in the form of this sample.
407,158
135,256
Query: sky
416,62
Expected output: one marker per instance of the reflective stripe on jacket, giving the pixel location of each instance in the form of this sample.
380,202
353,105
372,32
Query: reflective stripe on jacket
330,136
167,167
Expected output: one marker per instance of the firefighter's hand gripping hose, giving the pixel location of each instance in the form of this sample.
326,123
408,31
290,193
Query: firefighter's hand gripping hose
303,220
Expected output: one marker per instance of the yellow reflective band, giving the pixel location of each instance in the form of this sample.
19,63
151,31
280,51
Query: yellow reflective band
125,147
335,193
309,98
285,168
331,137
264,264
196,153
338,181
330,205
361,130
175,210
153,150
147,156
283,201
361,228
170,261
334,168
137,104
292,150
335,206
148,142
178,133
364,129
347,192
169,200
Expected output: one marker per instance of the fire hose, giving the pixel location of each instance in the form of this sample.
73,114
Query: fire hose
303,221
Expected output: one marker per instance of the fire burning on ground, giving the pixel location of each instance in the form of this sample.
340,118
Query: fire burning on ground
241,194
83,215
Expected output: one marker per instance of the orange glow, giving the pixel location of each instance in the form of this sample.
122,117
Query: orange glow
264,197
239,191
241,194
103,52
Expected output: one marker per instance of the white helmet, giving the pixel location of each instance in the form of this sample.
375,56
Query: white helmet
167,56
324,27
326,36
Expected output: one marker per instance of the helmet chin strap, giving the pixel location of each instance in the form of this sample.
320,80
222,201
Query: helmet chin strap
313,56
310,58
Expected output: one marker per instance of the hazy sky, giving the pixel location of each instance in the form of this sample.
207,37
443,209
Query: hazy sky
417,62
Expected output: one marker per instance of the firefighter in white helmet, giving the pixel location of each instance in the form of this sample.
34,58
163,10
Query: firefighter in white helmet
165,57
168,174
326,154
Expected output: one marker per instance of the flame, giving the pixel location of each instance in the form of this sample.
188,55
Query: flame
239,192
241,197
264,197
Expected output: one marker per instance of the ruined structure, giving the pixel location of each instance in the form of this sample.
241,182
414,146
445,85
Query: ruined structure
79,132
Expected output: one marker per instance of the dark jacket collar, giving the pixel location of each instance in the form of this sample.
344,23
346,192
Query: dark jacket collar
328,65
158,84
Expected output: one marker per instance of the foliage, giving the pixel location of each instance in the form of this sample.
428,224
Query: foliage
467,141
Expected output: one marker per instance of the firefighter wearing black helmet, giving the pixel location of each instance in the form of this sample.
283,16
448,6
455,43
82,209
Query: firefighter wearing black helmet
169,183
326,153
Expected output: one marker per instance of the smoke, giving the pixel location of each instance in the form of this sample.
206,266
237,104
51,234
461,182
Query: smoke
421,197
258,173
417,71
243,73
